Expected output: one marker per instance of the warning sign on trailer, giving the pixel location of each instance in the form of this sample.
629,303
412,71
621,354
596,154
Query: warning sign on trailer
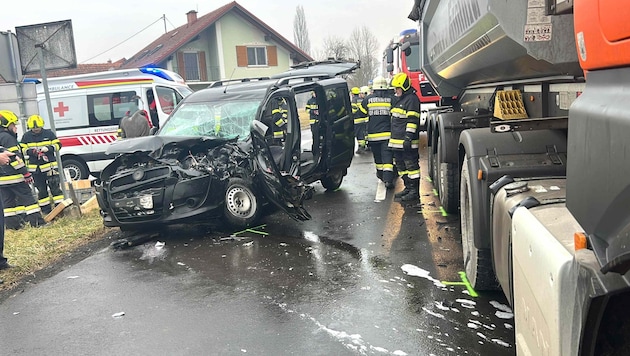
537,33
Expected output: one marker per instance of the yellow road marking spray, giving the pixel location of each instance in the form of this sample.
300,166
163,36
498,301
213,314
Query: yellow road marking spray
464,282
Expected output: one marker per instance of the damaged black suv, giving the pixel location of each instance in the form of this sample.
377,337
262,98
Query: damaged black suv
228,150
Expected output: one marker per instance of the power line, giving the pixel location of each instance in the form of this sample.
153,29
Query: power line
132,36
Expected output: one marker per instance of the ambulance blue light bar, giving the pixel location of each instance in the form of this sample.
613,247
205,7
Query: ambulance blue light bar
157,72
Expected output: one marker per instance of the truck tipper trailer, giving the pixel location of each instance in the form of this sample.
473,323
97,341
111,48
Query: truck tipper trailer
532,150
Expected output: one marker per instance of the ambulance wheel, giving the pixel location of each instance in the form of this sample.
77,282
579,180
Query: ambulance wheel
78,170
477,261
242,208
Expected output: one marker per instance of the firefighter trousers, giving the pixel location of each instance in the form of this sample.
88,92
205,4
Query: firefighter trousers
20,206
408,165
384,160
43,182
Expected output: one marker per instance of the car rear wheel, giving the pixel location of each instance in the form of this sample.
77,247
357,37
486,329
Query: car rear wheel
241,205
333,180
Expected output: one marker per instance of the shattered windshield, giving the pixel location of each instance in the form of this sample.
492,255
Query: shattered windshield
214,119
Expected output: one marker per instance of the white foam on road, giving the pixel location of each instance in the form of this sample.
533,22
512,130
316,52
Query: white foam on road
419,272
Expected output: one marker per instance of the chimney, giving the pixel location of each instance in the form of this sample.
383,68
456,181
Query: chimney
191,16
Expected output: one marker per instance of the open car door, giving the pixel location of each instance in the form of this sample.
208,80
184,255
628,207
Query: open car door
277,167
338,125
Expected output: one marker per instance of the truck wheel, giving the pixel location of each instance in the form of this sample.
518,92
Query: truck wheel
78,170
447,182
431,163
241,205
333,180
477,262
436,166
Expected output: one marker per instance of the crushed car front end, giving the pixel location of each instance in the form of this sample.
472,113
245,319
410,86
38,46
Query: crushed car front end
160,179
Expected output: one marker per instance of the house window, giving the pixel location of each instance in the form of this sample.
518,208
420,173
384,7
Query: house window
256,56
191,63
253,56
192,66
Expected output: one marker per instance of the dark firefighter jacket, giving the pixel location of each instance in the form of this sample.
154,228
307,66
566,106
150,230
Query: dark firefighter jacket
376,107
13,172
405,120
357,114
40,162
280,116
312,109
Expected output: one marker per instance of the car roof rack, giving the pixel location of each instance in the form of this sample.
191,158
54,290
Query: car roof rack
304,78
220,83
325,61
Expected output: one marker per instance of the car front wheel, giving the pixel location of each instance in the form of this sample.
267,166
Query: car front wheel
241,205
333,180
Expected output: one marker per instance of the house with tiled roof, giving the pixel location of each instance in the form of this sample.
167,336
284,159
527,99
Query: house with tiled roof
229,42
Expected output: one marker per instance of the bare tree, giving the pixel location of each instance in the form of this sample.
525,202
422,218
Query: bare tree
335,47
318,54
363,46
300,30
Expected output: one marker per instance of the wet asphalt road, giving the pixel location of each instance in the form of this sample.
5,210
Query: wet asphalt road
361,278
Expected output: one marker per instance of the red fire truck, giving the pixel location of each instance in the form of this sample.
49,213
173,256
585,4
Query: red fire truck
402,54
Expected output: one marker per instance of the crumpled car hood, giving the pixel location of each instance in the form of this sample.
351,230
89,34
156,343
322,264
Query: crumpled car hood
191,155
155,144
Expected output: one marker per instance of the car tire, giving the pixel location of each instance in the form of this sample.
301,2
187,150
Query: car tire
333,180
242,207
78,170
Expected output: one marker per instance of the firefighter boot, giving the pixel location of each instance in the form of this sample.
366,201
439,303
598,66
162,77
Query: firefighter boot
413,196
405,191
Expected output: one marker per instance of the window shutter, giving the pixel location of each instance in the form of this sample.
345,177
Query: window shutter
180,65
241,56
272,56
203,70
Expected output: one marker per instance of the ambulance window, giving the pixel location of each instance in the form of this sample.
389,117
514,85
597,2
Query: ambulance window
167,98
108,108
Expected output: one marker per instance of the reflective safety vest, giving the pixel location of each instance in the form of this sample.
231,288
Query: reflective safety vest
405,121
36,160
13,172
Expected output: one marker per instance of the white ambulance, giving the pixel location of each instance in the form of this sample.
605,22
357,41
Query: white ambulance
87,109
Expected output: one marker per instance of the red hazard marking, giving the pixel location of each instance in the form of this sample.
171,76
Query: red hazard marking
70,141
88,140
61,109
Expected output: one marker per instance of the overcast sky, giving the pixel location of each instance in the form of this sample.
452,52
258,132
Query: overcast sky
100,26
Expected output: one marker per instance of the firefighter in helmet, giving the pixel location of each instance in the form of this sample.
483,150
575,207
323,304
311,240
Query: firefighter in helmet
360,119
19,203
40,146
404,140
376,106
